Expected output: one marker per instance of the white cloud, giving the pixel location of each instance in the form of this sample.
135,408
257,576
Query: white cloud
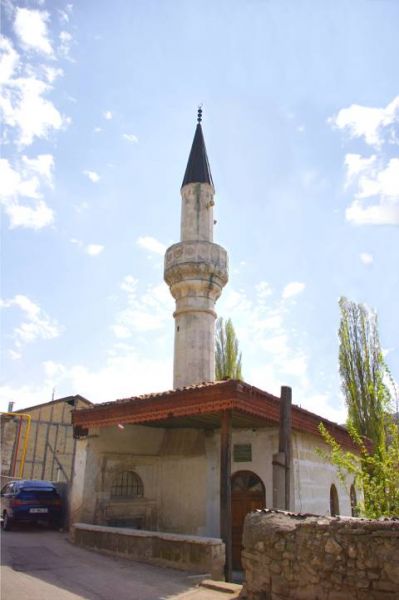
366,258
358,214
29,217
293,289
97,130
94,249
63,16
264,290
356,164
273,354
153,245
130,137
27,116
21,191
321,405
43,165
90,249
92,175
64,47
107,114
369,123
150,311
36,324
24,108
372,178
9,60
53,370
31,28
80,208
121,331
51,74
129,284
29,112
125,373
262,329
24,395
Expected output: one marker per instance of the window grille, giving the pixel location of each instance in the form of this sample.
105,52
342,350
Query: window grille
127,485
246,481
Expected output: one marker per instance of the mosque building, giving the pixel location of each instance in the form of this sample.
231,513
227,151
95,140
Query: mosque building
193,461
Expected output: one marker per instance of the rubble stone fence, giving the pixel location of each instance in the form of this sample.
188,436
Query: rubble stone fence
289,556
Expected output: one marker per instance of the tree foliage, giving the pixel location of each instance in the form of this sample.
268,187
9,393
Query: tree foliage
363,369
374,463
228,355
375,470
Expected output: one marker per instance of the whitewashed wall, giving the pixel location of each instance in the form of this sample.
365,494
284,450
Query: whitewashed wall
313,477
180,473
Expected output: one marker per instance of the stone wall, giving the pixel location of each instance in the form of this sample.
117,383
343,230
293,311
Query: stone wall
297,557
185,552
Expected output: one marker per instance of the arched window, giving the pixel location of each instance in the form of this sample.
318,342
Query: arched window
127,485
334,503
248,482
353,498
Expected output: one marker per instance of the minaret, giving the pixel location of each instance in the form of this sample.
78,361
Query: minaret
196,270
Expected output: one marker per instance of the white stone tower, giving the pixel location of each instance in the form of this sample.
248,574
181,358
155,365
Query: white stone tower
196,270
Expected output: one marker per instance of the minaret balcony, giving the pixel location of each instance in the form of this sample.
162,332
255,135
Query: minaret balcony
202,263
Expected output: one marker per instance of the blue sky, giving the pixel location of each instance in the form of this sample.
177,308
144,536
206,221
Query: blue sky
301,121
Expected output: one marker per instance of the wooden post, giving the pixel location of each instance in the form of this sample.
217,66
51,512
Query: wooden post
284,442
225,490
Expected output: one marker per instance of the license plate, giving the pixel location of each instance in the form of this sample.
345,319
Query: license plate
38,510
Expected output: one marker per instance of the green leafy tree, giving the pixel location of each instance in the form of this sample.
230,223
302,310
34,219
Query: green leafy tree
374,463
375,471
228,355
363,370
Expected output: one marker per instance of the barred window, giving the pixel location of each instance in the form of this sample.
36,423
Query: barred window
127,485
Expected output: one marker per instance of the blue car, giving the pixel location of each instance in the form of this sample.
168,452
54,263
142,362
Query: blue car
30,501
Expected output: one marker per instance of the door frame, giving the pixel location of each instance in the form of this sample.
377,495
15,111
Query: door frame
245,494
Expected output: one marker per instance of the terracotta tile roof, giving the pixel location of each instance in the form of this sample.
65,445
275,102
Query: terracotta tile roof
164,394
201,401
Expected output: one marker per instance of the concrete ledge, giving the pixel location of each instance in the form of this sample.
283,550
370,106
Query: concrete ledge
184,552
222,586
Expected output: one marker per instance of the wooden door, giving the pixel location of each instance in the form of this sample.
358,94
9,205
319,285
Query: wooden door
247,494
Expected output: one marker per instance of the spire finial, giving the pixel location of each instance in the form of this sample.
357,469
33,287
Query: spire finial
199,117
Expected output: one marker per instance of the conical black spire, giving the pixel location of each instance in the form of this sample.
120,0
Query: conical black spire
198,169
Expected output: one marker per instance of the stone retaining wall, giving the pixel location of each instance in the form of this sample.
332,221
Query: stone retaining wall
185,552
299,557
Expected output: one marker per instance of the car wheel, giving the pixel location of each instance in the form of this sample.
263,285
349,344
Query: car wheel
6,522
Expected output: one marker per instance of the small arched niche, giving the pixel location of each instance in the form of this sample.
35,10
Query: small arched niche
334,501
353,499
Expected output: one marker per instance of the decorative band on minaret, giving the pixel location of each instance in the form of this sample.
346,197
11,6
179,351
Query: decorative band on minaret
196,271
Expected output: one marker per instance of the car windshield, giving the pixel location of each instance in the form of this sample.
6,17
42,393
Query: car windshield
32,493
38,489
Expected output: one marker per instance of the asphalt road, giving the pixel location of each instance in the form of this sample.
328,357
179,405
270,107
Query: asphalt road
39,564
